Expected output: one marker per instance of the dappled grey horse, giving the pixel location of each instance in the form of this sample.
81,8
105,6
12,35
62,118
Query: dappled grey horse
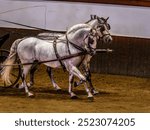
34,49
94,22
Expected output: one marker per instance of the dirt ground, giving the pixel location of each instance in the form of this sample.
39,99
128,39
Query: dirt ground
117,94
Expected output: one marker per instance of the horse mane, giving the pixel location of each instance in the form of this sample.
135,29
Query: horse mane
77,27
94,17
78,32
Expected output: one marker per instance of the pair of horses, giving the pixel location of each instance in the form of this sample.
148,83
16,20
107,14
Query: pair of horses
80,40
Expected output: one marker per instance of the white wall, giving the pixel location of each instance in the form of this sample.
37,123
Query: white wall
124,20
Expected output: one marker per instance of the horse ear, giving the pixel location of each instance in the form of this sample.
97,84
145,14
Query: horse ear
95,16
107,19
91,16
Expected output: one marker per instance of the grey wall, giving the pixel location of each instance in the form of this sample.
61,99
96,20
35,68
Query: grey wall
125,20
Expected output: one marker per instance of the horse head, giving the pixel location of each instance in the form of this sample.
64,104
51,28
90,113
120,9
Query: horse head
102,26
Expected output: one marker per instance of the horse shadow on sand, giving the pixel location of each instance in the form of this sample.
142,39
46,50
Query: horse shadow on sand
49,93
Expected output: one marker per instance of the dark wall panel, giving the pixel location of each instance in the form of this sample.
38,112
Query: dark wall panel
131,56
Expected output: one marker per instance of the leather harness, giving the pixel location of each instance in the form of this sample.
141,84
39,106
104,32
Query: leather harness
67,43
57,55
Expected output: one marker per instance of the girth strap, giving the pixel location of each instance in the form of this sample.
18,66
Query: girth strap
67,42
57,55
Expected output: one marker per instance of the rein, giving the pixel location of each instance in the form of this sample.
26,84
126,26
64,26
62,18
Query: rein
62,58
46,61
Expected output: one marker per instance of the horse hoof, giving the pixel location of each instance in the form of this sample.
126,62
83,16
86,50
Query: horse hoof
31,95
21,87
29,85
74,97
16,86
95,92
58,90
91,99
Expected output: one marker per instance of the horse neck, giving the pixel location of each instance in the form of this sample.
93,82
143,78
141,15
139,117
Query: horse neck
93,23
79,36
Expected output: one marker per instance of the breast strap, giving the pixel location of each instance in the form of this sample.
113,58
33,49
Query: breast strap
57,55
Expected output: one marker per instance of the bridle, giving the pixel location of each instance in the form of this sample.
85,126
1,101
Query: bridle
90,42
102,21
102,29
101,38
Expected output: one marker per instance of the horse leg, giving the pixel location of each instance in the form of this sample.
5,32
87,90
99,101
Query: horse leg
49,71
24,83
32,72
90,96
86,69
71,78
77,73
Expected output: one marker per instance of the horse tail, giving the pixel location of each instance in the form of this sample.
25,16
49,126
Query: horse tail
5,73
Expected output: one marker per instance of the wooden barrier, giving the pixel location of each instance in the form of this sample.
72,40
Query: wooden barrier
131,56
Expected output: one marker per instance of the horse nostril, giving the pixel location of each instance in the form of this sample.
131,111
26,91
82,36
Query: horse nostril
109,40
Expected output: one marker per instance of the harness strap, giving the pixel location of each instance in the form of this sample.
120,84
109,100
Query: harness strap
76,46
57,55
68,46
46,61
105,35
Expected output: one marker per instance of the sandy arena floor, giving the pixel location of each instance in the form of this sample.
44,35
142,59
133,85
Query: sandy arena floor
117,94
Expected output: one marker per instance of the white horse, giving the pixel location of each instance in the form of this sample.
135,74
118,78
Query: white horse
34,49
94,22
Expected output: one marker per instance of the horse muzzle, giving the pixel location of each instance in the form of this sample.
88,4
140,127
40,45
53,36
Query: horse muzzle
107,38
